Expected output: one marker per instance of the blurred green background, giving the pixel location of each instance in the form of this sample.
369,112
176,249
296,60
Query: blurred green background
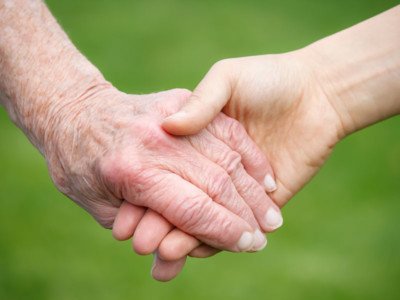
341,238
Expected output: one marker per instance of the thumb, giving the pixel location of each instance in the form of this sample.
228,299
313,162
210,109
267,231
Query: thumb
207,100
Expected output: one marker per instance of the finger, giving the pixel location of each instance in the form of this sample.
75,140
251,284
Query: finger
127,218
214,179
264,209
178,244
149,233
211,177
203,251
267,213
166,270
193,211
207,100
233,134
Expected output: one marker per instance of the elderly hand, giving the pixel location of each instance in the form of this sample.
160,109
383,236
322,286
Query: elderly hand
104,147
110,147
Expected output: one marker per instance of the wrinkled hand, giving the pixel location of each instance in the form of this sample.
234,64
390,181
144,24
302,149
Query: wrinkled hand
109,147
280,102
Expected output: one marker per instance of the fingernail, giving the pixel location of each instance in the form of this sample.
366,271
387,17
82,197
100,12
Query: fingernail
246,241
260,241
273,218
270,184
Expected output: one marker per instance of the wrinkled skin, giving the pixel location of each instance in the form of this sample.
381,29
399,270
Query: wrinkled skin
279,101
110,147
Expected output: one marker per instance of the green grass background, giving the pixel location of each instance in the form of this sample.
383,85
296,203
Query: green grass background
341,238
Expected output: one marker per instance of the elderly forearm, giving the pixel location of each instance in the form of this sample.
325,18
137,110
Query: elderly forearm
360,70
41,72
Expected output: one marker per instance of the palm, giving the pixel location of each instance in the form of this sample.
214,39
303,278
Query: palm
288,120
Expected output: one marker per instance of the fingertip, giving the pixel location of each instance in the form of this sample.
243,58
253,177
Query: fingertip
164,271
174,125
142,248
119,235
126,221
176,245
169,251
182,123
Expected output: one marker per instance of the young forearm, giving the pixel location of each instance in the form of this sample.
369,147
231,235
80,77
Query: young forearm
359,70
41,71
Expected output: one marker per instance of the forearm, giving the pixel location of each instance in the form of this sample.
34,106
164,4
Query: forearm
359,70
41,72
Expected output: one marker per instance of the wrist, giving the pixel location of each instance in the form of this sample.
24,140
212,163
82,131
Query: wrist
360,81
57,101
42,73
62,114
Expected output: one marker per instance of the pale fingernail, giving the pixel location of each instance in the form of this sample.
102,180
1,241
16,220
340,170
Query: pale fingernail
260,241
273,218
269,183
246,241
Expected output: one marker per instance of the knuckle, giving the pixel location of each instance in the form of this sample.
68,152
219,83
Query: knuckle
112,168
126,176
220,182
118,168
153,137
235,132
230,161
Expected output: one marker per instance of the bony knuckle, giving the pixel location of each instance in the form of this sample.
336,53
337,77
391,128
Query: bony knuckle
230,161
153,137
113,168
236,131
220,183
124,174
